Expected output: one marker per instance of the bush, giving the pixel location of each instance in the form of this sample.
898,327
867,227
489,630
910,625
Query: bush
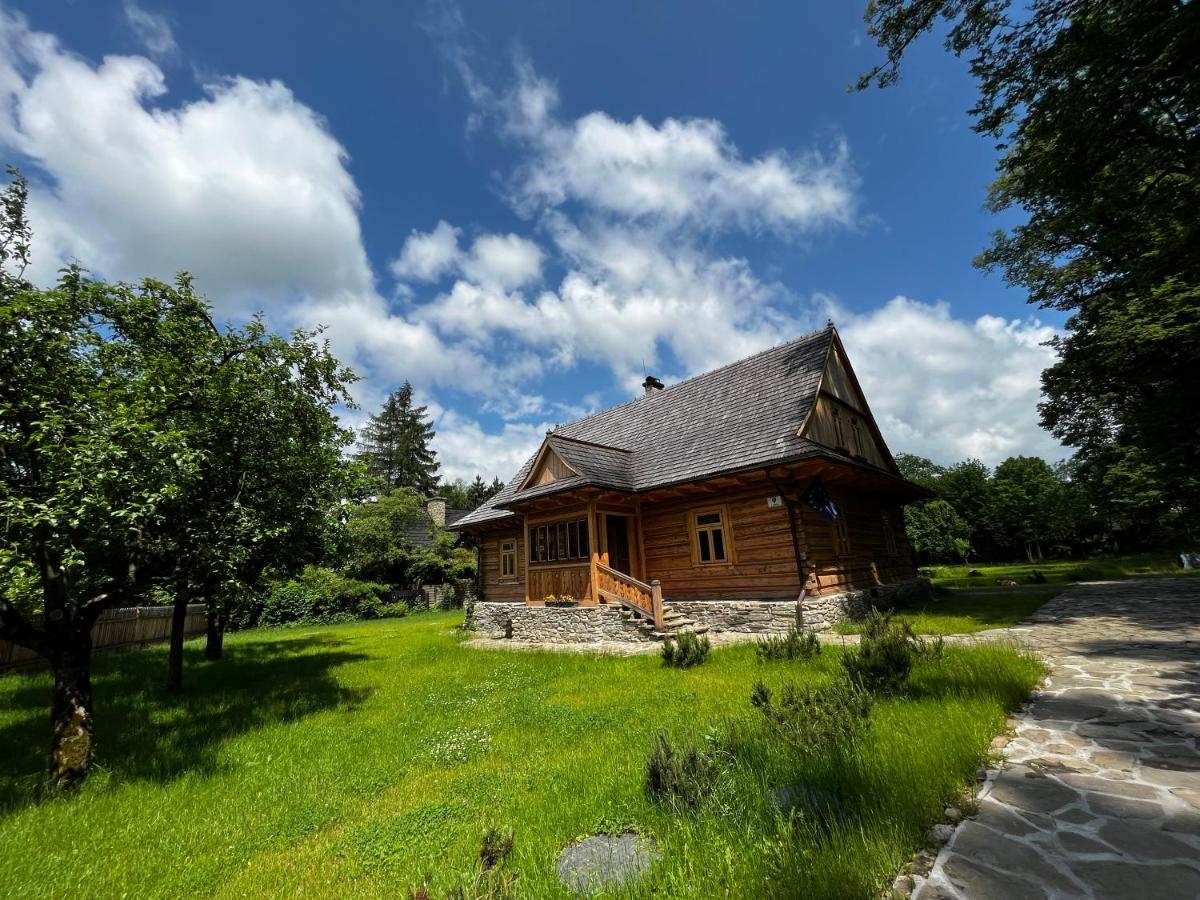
682,778
396,610
685,650
885,654
793,645
317,596
816,721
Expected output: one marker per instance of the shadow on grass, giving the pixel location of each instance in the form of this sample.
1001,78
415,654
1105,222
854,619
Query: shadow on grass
144,732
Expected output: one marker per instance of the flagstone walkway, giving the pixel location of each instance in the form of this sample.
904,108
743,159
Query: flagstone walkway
1099,795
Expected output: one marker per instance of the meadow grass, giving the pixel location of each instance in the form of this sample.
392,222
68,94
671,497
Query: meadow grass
964,604
1060,571
354,760
958,611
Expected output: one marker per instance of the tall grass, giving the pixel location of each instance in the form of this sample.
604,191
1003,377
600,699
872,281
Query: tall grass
355,759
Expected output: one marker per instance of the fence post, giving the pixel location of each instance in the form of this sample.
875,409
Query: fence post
656,602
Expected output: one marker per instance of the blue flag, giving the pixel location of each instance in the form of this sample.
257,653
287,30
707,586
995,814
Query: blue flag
818,498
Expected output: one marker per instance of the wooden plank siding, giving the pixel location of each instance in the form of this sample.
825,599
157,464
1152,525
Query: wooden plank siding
495,588
868,546
760,540
762,560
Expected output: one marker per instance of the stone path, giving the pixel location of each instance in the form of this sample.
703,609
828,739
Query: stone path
1099,794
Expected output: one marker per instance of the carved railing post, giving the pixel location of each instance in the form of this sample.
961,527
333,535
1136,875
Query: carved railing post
656,602
595,579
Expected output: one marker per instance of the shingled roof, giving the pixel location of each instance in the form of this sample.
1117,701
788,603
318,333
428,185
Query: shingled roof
743,415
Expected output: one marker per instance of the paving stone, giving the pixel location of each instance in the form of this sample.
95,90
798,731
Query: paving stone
1074,842
1143,840
1109,786
1112,880
981,883
1028,790
1123,807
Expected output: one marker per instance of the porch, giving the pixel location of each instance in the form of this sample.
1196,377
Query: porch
586,556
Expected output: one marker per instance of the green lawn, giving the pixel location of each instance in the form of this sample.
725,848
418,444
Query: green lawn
958,611
353,760
1060,571
962,604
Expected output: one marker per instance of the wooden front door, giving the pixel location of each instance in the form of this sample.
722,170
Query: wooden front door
616,542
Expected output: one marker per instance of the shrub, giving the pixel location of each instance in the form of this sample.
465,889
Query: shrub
685,650
816,721
496,847
885,654
396,610
793,645
682,778
316,596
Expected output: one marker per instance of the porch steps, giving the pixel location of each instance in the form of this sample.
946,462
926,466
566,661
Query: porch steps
674,623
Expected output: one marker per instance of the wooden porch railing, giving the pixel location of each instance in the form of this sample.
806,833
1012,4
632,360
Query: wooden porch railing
625,589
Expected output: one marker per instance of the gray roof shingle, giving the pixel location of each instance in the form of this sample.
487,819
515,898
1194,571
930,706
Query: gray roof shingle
739,416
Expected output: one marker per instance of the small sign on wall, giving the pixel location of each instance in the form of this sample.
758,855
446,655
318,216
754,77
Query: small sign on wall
774,502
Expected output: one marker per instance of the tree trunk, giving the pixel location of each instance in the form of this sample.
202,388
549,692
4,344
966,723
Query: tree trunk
175,658
1029,551
71,711
214,645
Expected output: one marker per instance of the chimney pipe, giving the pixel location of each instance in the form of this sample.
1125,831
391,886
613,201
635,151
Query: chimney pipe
436,508
652,384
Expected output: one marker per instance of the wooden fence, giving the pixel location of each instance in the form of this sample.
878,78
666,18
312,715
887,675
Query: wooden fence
116,629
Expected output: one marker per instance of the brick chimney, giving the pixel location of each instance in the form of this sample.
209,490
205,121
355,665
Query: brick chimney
436,508
652,384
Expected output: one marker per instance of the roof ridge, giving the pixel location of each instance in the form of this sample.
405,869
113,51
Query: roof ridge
575,440
697,377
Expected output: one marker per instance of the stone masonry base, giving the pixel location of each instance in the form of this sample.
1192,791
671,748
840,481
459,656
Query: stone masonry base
604,624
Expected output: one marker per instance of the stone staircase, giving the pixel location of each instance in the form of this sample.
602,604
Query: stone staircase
674,623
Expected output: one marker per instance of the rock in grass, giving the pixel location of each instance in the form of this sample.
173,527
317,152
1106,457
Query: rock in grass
902,886
953,814
939,834
606,861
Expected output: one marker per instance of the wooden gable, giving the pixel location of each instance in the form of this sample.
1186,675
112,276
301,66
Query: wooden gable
548,467
840,417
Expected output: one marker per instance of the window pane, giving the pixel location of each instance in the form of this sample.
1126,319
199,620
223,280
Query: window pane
584,546
718,538
705,553
552,542
507,545
709,519
572,540
563,550
541,532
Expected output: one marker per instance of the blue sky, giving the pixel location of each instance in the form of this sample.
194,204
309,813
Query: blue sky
518,206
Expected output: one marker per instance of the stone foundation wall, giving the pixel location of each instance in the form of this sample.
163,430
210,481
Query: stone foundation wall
750,616
553,625
596,624
820,613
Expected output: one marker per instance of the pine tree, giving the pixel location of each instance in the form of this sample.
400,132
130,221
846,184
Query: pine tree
395,445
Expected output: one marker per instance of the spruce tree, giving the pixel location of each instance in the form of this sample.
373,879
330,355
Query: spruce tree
395,445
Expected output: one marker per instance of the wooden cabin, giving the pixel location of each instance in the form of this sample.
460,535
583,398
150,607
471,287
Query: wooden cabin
754,497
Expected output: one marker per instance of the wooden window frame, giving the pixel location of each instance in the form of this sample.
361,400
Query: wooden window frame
725,527
508,558
550,542
839,428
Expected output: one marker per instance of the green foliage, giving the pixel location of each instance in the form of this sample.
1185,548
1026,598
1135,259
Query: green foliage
316,597
816,721
460,495
1096,108
884,656
377,536
936,531
1030,504
685,650
395,445
793,645
442,562
682,778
